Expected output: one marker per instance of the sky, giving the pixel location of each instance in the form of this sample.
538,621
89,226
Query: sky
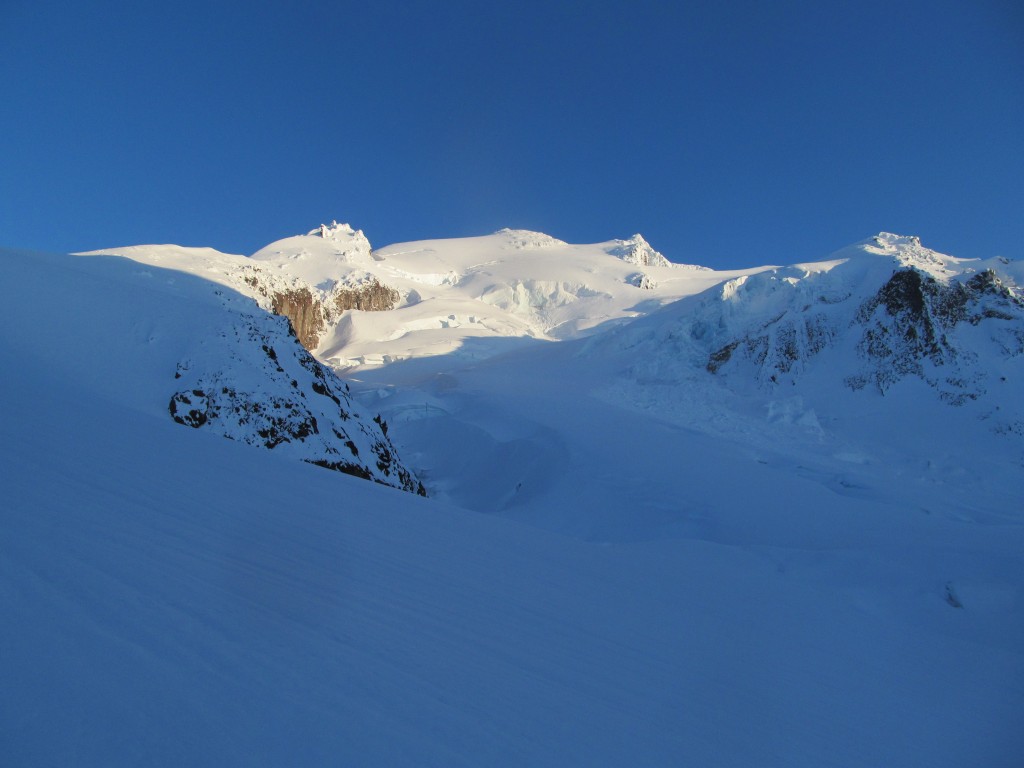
729,134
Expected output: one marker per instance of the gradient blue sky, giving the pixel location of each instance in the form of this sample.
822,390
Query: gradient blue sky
728,133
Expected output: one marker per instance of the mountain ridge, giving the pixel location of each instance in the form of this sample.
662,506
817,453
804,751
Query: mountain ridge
701,564
788,340
512,283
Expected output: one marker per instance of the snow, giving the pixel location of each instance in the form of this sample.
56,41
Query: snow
624,559
516,283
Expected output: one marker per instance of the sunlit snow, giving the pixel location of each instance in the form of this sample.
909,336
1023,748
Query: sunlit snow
637,550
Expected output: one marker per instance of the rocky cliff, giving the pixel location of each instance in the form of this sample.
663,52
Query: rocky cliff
916,325
872,316
305,313
319,277
254,383
371,296
899,308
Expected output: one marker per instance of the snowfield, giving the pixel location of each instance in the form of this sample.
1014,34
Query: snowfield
636,549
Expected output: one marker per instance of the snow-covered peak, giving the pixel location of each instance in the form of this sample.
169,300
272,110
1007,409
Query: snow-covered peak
319,257
890,240
333,238
636,250
907,251
449,295
339,233
873,316
525,238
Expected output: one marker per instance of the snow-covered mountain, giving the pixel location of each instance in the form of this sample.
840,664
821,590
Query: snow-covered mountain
870,315
898,307
752,354
464,297
893,307
763,517
204,356
885,359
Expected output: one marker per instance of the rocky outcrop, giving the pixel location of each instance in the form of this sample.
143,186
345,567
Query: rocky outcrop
304,312
779,347
371,296
909,325
309,310
257,385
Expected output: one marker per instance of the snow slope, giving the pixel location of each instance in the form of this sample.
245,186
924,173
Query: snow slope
465,297
187,606
789,396
624,560
885,349
165,342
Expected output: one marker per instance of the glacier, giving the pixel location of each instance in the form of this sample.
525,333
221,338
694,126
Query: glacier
633,549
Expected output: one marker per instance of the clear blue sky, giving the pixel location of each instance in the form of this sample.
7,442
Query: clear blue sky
728,133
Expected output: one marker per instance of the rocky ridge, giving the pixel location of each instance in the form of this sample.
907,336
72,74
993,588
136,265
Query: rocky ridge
870,317
313,305
930,318
254,383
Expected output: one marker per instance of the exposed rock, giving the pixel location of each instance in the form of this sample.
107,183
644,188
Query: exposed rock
372,296
908,327
310,310
908,324
720,357
304,312
266,390
780,346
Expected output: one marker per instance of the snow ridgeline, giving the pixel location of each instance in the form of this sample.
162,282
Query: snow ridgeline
871,315
355,307
464,296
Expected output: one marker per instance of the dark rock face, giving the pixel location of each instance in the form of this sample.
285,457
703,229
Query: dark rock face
370,297
722,356
260,387
309,314
912,326
779,347
909,330
274,421
304,312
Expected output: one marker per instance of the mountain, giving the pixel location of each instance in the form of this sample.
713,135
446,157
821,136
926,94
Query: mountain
871,315
873,368
880,359
203,356
464,297
634,549
895,308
